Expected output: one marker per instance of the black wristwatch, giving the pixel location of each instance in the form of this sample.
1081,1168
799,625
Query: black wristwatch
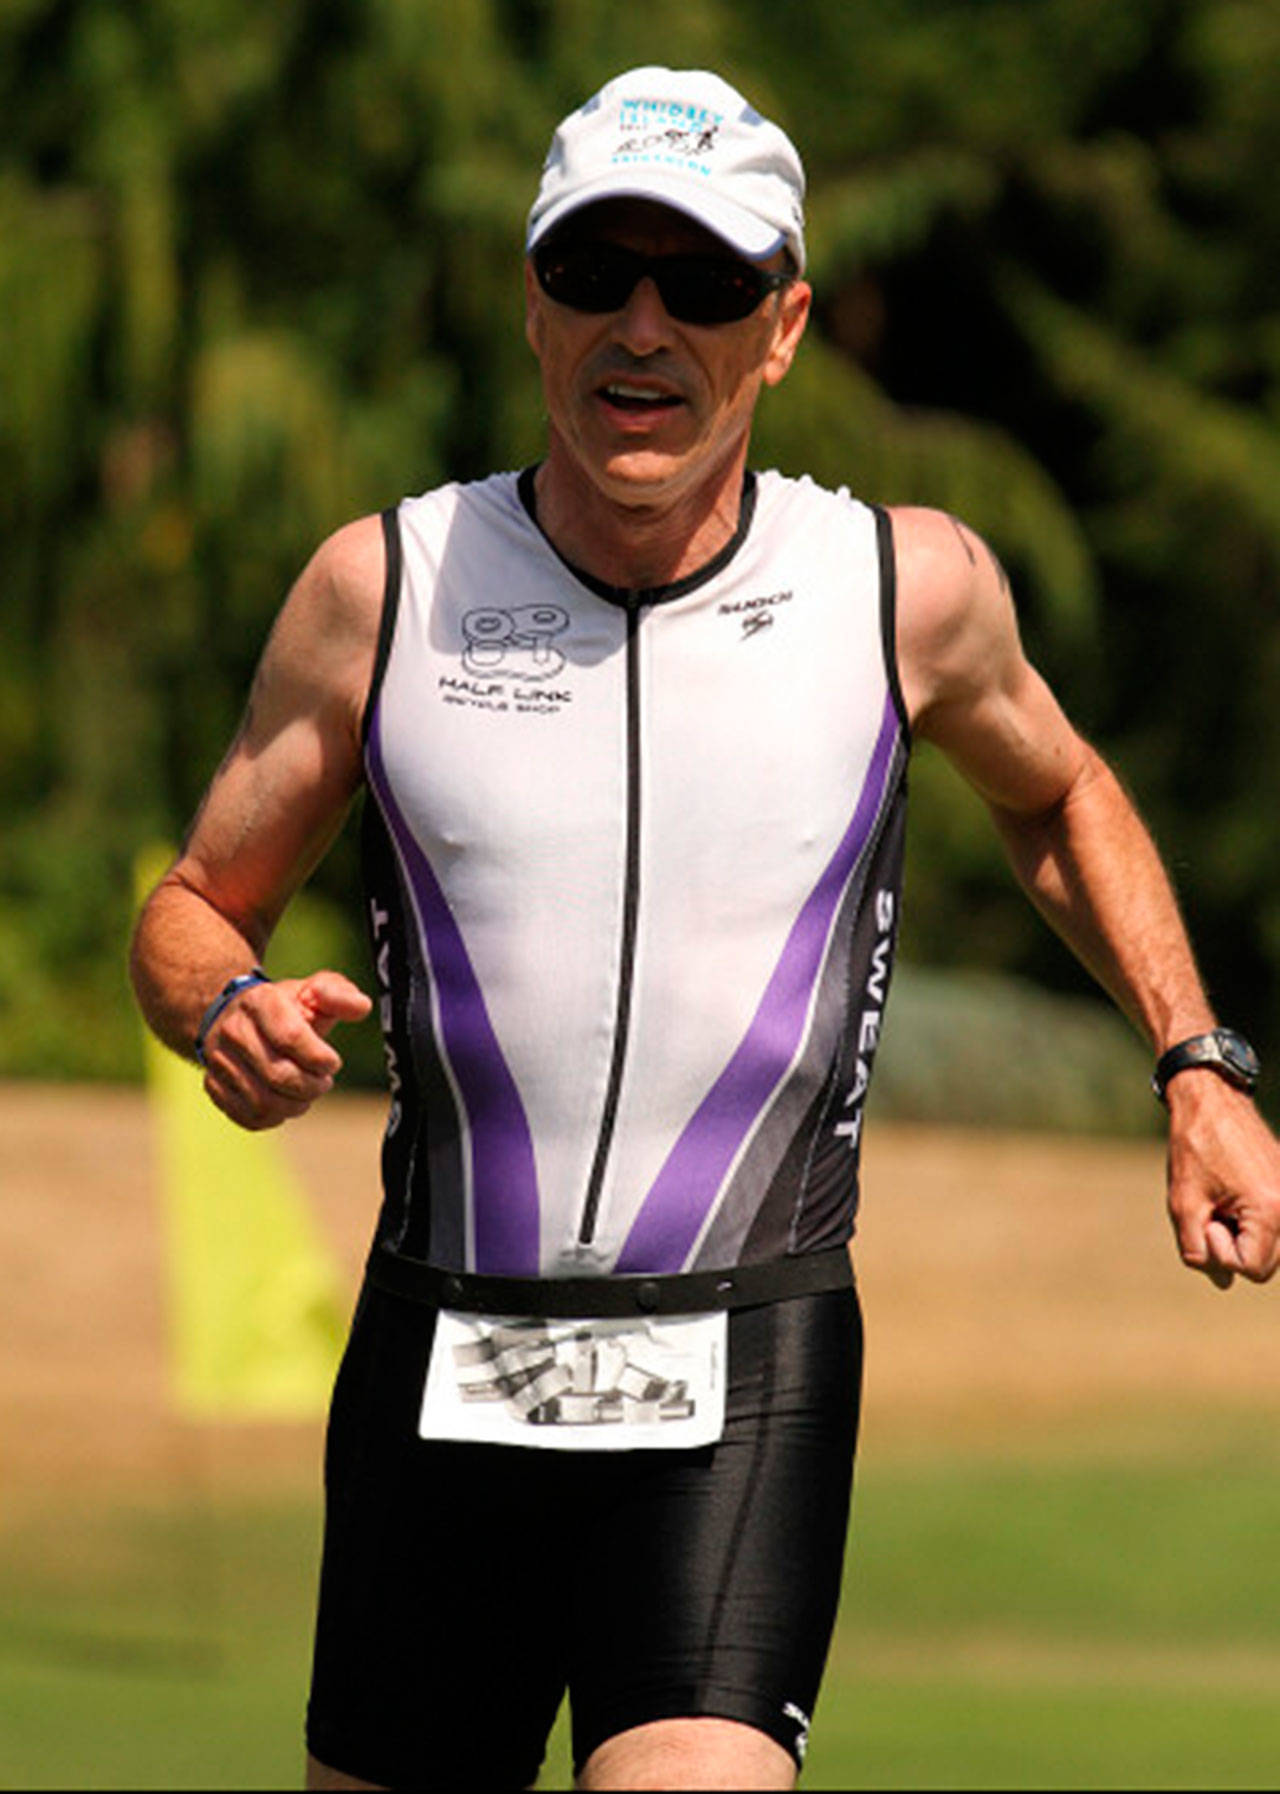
1223,1051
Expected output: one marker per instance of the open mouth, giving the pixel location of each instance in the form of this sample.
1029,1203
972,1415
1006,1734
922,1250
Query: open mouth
642,399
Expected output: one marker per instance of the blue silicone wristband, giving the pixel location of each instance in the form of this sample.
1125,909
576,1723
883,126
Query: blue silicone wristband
228,994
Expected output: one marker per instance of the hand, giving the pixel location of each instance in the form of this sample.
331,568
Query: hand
267,1057
1224,1180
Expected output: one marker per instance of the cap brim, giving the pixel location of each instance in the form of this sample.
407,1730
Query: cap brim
750,236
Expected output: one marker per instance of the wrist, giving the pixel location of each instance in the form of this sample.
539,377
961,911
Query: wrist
233,988
1182,1025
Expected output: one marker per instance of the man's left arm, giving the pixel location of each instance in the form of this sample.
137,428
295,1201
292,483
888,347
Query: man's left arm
1086,860
1090,867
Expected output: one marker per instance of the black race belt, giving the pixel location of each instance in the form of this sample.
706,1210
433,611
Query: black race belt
592,1298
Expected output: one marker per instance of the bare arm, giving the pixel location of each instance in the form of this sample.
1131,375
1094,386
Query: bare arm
272,809
1084,857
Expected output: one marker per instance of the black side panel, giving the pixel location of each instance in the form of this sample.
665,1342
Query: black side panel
389,929
889,613
813,1198
825,1213
422,1179
390,610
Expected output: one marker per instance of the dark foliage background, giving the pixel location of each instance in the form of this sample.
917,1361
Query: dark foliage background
259,272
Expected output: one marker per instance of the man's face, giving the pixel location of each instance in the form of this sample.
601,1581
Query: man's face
646,406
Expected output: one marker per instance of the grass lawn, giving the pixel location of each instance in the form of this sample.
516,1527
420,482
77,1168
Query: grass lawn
1006,1624
1068,1625
164,1647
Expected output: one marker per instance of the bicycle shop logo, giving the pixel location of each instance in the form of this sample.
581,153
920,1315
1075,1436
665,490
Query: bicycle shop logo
514,644
667,131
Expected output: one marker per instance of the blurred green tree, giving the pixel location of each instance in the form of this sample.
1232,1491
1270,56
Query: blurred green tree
260,271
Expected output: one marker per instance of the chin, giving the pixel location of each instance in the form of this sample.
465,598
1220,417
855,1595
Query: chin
638,476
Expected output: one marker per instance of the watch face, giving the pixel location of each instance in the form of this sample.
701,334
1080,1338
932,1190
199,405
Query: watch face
1239,1055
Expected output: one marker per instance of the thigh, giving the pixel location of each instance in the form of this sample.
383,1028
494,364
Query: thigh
689,1753
440,1650
708,1580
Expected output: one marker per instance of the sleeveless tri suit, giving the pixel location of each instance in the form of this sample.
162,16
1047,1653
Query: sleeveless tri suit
633,867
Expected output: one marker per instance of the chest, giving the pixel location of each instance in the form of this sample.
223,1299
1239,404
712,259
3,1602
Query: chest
520,710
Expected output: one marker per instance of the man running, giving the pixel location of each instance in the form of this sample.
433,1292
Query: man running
634,726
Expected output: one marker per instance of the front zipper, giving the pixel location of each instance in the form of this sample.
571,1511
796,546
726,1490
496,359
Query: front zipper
630,906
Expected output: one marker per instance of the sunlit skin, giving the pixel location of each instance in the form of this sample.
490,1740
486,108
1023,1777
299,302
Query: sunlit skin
643,496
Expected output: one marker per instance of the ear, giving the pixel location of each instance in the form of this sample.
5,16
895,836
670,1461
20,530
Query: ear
789,326
533,301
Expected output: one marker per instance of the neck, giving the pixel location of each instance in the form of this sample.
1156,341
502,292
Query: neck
642,543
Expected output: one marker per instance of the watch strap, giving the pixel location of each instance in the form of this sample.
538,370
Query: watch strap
1220,1051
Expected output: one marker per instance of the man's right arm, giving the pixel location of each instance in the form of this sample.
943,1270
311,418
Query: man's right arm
272,809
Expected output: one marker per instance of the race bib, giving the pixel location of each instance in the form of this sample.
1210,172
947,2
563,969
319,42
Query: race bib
590,1385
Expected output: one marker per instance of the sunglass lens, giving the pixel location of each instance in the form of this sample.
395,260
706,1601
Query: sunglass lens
695,289
592,277
708,289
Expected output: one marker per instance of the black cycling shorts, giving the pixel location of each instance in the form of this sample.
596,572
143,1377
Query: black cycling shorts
465,1587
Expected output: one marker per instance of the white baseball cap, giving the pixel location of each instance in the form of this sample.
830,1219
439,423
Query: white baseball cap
687,139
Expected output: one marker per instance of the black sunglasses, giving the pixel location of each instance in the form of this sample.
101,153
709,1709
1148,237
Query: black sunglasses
696,289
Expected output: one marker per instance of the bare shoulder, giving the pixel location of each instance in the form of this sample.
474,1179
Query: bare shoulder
934,546
341,587
956,622
948,578
352,562
967,684
322,648
285,783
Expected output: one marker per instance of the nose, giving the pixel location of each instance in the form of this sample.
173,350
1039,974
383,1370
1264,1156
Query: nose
644,324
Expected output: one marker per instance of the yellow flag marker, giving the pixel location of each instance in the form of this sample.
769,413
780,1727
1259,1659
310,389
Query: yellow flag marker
257,1317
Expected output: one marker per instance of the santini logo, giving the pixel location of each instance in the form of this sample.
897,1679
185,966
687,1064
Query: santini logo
756,613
